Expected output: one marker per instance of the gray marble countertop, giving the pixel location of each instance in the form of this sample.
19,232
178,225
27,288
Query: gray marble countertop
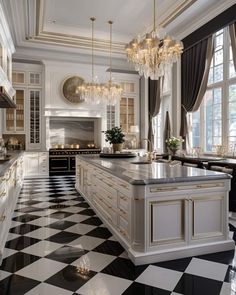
153,173
14,155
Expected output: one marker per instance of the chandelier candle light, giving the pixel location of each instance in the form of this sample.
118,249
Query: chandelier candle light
92,92
112,92
153,56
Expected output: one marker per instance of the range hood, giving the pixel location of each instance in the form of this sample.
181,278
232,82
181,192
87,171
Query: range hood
5,100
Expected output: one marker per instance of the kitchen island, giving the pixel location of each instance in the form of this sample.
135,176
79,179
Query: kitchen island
157,211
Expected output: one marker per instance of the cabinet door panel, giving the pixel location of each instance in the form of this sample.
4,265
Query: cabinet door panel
207,217
167,222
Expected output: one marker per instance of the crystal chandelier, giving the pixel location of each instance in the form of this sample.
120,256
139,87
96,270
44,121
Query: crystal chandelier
92,92
111,91
152,55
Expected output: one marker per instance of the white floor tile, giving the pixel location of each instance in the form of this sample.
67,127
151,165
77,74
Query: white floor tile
43,212
160,277
43,221
70,202
42,248
12,236
46,289
16,214
208,269
86,242
4,274
76,217
42,233
103,284
8,252
80,228
15,223
41,269
43,205
96,261
73,209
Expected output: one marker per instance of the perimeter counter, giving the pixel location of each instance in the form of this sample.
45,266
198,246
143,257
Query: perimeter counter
157,212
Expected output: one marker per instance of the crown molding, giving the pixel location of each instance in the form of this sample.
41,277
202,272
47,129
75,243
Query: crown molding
204,18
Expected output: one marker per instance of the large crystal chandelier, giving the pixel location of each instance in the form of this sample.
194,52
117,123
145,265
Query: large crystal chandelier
92,92
111,91
153,55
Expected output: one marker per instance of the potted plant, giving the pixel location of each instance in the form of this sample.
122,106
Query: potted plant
115,136
173,143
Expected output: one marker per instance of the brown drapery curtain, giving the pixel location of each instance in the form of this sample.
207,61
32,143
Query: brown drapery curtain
195,66
232,32
167,131
154,102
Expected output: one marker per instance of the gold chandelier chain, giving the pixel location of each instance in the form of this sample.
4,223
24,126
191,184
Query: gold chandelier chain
93,20
110,23
154,16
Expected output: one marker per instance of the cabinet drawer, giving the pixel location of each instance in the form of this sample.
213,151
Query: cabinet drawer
123,202
124,227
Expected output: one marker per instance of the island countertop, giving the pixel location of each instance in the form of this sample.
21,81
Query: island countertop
153,173
4,166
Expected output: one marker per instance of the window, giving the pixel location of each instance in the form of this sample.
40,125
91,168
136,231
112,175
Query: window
35,78
214,124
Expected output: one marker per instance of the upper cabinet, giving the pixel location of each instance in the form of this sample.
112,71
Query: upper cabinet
26,118
126,113
6,50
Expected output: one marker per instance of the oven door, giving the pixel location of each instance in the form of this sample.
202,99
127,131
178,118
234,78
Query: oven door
58,164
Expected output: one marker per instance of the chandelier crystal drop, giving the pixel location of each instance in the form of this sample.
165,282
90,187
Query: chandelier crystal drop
153,55
92,92
111,92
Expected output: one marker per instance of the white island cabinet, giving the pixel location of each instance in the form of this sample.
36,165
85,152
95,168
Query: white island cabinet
157,212
11,180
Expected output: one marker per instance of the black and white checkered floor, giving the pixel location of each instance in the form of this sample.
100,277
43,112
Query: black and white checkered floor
45,246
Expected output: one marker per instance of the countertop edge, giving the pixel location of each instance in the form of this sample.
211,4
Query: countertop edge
5,166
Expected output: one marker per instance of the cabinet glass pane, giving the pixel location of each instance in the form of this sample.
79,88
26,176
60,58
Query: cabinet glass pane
19,110
18,77
35,78
10,119
126,113
34,116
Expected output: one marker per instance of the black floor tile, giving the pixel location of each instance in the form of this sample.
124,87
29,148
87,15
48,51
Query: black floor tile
60,215
221,257
140,289
88,212
23,229
92,221
61,224
83,205
58,206
194,285
110,247
100,232
69,278
66,254
28,209
16,261
178,264
25,218
21,242
17,285
57,200
230,275
30,202
63,237
124,268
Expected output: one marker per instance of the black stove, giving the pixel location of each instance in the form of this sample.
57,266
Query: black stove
62,161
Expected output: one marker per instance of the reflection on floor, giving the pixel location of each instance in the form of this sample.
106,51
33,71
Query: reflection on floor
69,251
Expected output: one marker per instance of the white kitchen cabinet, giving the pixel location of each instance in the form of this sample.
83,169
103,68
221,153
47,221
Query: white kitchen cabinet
36,164
10,186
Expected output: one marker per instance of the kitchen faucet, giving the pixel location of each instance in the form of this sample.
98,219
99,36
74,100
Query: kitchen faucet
150,154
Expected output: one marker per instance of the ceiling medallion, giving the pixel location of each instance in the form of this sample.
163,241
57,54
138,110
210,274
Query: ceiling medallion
70,89
153,55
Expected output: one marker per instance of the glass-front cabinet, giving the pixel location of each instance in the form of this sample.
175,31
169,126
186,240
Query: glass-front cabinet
15,118
34,119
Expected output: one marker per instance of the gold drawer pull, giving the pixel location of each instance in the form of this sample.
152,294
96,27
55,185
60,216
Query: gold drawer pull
3,194
123,198
123,212
2,218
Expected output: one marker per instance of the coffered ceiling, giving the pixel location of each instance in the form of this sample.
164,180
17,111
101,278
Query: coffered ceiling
64,25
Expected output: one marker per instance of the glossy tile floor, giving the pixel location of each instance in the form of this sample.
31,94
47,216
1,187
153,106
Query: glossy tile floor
46,245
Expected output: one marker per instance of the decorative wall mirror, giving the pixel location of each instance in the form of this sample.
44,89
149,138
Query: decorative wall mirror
70,89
